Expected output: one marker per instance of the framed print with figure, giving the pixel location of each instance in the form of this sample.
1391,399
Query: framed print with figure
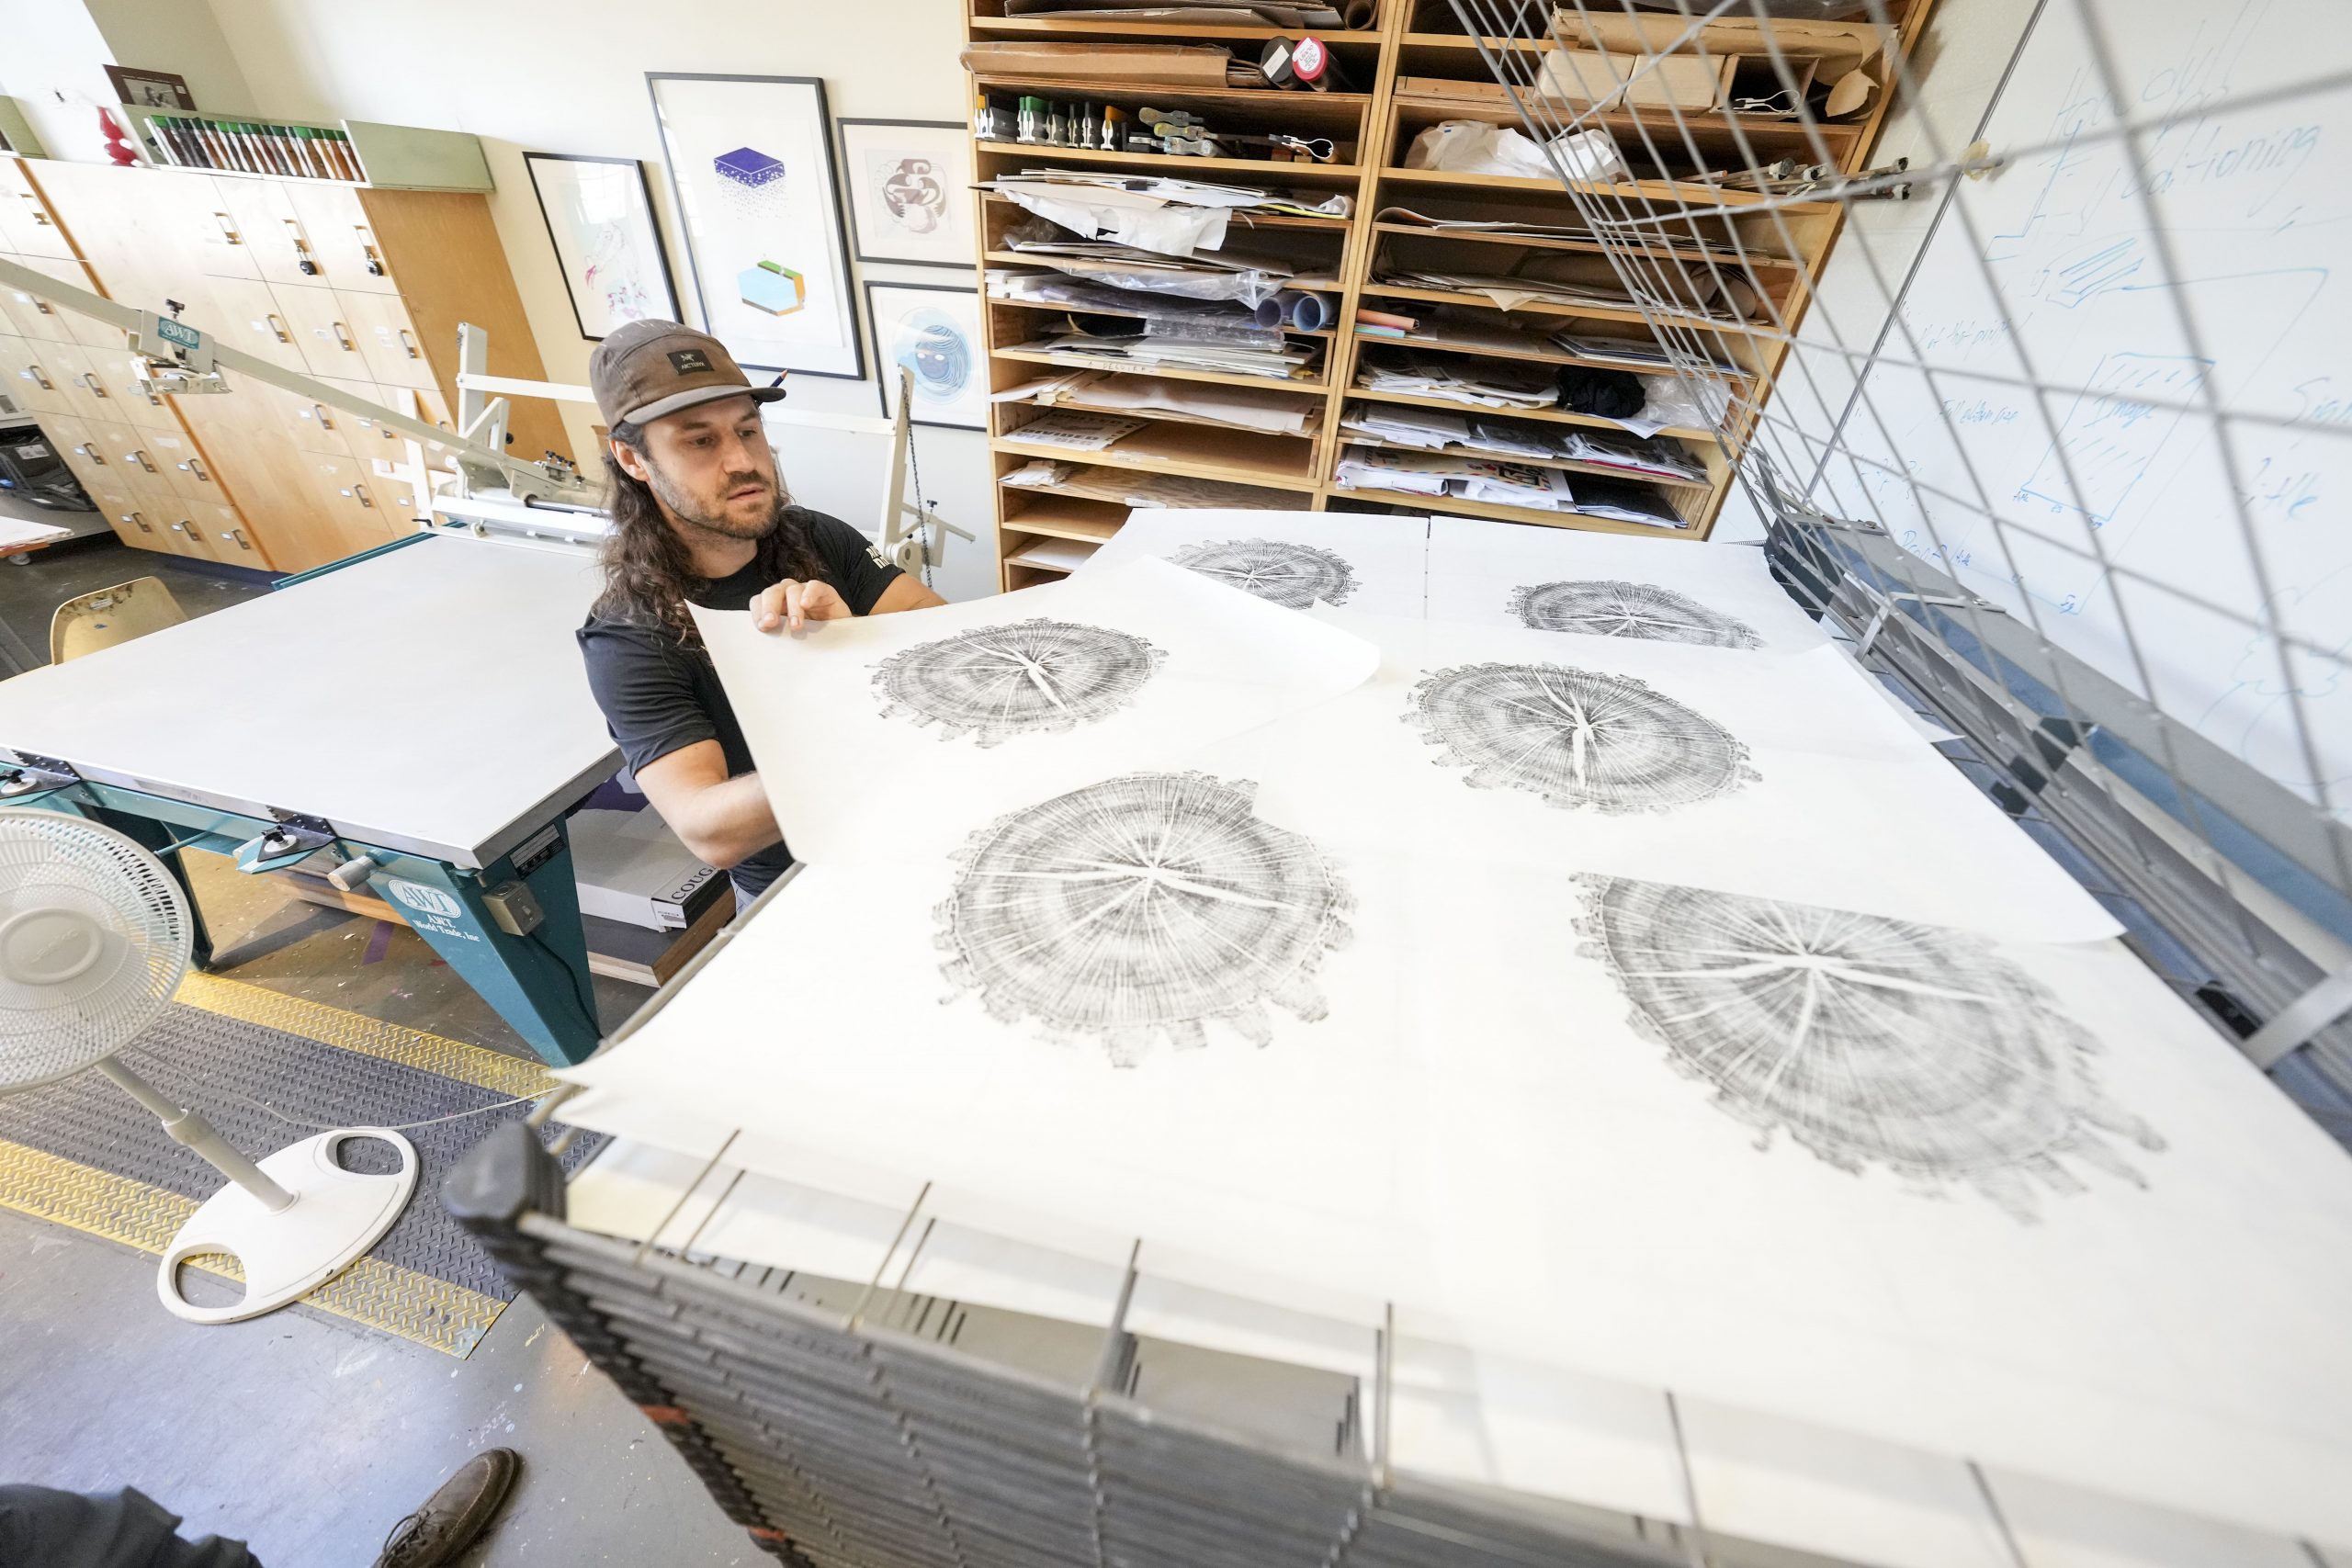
759,201
935,332
599,214
909,190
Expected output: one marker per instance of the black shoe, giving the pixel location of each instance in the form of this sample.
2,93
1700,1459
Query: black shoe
453,1516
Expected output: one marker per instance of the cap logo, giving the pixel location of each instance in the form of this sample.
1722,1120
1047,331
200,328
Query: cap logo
688,361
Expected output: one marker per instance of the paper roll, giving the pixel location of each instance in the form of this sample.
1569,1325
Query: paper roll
1358,15
1309,312
1274,309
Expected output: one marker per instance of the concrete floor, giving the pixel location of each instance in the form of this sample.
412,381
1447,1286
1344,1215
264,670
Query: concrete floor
305,1434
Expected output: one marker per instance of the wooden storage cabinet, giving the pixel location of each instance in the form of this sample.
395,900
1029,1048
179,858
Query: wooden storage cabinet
1411,66
360,286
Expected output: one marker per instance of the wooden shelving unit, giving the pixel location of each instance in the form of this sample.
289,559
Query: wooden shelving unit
1413,68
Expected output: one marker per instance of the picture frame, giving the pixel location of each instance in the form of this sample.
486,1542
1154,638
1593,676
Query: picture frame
934,328
909,191
145,89
607,241
752,167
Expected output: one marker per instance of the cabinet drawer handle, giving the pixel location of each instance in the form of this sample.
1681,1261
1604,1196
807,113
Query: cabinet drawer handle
34,208
43,306
227,228
367,249
320,410
238,534
183,528
37,377
343,335
196,466
360,491
91,454
139,520
278,326
140,458
301,248
91,385
408,341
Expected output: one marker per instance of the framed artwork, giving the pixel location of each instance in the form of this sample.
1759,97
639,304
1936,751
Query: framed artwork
934,331
759,201
909,190
599,214
150,89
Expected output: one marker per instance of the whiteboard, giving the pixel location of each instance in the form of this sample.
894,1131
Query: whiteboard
2041,423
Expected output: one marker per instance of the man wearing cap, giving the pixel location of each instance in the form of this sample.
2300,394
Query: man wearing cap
700,516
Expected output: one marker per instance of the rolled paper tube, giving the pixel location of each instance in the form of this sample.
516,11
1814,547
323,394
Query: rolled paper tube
1309,312
1357,14
1274,309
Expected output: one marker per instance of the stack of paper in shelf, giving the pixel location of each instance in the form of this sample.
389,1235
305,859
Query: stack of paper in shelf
1495,482
1649,237
1219,274
1206,321
1486,383
1634,351
1734,303
1427,430
1192,402
1274,13
1030,187
1086,350
1075,431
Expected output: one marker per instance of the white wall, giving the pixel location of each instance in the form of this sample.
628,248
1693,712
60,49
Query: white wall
569,76
52,63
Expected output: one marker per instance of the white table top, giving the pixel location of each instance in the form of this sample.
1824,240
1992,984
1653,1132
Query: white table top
430,700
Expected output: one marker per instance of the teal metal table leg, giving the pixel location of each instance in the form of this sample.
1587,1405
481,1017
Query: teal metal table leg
539,982
163,840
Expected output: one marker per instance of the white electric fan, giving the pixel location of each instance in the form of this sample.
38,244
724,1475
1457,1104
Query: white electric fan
94,939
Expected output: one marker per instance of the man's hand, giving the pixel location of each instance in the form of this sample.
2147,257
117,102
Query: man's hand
790,605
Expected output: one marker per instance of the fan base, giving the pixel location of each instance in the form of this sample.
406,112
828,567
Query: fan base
337,1214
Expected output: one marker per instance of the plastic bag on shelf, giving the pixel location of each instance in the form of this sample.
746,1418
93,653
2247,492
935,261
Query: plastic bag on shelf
1474,147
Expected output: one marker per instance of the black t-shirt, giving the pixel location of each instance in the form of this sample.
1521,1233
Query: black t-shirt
660,696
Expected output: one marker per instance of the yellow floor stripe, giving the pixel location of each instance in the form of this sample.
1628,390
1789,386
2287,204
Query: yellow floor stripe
373,1037
380,1295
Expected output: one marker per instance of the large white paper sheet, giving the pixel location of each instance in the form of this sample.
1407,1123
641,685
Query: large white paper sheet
1782,777
1474,1128
930,722
1369,563
1762,1214
1611,585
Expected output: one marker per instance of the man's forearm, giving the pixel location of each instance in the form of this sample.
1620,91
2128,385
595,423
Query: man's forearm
728,821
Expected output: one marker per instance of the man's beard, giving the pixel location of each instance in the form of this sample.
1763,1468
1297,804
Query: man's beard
691,512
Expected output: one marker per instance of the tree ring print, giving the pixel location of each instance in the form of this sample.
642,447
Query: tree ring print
1293,576
1643,610
996,683
1575,737
1140,909
1871,1041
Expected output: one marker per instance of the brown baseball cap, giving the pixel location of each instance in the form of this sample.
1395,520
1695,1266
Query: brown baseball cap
646,369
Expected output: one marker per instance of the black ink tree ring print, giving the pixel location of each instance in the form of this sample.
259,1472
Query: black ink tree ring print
996,683
1871,1041
1140,909
1575,737
1643,610
1293,576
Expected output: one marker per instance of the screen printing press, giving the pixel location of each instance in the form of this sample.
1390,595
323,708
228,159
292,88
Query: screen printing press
415,718
1460,1264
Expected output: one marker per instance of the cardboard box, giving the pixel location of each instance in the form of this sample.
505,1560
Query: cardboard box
1607,80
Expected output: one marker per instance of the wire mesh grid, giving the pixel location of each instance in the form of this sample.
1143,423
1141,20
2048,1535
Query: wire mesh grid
2052,432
